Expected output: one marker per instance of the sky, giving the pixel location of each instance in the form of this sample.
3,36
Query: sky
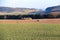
38,4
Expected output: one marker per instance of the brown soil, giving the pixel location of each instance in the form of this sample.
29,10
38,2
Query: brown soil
50,21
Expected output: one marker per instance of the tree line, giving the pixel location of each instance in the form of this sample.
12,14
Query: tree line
42,16
34,16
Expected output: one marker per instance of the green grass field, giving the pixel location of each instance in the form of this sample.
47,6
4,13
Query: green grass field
29,31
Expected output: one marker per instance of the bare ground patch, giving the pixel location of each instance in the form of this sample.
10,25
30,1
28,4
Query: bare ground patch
50,21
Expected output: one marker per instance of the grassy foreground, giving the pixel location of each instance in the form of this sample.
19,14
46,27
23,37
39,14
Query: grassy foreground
29,31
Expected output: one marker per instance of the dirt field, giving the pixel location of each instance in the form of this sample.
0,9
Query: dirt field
50,21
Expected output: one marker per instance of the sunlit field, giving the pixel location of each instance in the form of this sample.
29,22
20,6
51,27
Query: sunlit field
29,31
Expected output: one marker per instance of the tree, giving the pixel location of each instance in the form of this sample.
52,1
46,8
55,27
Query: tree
54,14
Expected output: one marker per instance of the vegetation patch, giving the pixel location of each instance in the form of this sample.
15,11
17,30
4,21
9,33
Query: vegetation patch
29,31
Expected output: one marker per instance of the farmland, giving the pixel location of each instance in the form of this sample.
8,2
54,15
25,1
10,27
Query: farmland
44,29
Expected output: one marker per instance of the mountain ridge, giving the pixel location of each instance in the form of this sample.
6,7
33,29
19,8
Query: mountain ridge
10,9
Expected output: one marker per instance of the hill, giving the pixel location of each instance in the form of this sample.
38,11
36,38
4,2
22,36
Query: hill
10,9
53,9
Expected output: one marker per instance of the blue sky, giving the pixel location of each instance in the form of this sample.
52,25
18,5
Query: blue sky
40,4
